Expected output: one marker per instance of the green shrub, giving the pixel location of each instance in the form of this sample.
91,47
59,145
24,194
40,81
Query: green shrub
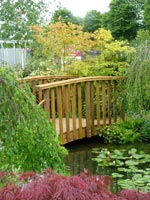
145,130
122,132
27,139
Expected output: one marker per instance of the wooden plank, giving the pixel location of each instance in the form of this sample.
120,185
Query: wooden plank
80,110
92,107
53,109
88,109
79,80
66,103
47,77
109,102
115,101
63,100
98,103
74,110
40,93
104,103
59,110
47,102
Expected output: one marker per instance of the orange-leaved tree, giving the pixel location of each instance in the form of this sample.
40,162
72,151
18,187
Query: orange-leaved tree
59,41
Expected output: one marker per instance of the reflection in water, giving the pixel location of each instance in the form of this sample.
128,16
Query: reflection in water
77,161
80,157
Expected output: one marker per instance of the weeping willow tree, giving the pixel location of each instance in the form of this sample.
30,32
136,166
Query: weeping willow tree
137,91
27,139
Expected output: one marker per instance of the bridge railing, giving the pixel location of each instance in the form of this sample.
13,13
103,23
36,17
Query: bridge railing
33,81
79,107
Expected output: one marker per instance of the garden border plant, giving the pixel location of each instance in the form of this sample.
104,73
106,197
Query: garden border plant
27,139
49,185
123,131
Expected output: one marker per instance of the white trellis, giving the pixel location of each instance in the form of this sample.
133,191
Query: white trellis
16,55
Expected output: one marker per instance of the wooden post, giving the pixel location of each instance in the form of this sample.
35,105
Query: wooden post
88,109
47,103
59,107
74,111
53,109
104,102
98,102
66,102
40,93
109,102
115,102
92,107
80,110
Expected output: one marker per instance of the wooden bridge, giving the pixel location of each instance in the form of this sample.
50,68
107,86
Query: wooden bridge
78,107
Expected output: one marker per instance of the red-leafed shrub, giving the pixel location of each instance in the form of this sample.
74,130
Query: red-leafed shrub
2,176
51,186
27,176
134,195
9,192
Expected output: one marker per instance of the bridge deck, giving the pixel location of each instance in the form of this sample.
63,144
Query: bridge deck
75,134
77,124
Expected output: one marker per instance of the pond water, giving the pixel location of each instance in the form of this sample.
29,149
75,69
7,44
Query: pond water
80,156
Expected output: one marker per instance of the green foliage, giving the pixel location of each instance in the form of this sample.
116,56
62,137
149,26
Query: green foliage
137,85
27,139
64,15
122,132
147,14
105,20
145,130
92,21
124,18
142,36
111,58
130,172
17,16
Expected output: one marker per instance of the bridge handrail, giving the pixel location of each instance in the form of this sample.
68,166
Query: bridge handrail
78,107
46,77
33,81
78,80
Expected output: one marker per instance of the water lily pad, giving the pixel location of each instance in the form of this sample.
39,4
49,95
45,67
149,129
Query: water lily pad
131,162
117,152
138,156
117,175
132,151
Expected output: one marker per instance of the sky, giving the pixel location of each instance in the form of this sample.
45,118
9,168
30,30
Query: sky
81,7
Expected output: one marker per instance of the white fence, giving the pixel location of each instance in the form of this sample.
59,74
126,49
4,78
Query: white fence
13,56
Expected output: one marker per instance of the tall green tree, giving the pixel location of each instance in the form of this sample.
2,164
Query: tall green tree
147,14
17,16
65,15
105,20
125,18
92,21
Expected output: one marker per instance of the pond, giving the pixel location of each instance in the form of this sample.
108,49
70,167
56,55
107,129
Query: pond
81,154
